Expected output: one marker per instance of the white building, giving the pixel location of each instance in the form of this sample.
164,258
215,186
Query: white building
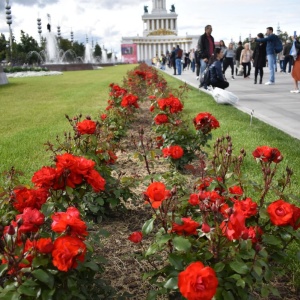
160,34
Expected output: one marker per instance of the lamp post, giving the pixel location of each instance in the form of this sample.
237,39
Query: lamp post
39,25
9,22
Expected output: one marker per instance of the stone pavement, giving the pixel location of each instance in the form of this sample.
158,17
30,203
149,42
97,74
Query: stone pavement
272,104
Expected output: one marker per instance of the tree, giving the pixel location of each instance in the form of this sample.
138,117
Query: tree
78,49
98,51
3,49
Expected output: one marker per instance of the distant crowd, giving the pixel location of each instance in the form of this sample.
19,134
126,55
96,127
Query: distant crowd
211,59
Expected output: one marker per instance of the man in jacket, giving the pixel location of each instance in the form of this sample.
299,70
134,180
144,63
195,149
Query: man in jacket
206,45
172,59
271,57
178,58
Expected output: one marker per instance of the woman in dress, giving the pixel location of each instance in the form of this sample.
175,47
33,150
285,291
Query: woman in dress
245,60
216,75
296,68
259,57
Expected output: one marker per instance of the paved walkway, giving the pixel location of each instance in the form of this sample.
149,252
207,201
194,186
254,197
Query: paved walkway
272,104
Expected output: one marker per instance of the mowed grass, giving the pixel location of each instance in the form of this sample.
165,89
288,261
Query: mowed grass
33,112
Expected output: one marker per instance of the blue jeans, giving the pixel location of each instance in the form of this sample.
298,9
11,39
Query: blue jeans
193,65
271,63
202,66
178,65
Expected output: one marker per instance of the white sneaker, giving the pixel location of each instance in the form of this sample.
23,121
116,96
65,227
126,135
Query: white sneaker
197,78
269,83
295,91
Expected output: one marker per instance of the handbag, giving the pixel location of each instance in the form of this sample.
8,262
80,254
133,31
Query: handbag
293,51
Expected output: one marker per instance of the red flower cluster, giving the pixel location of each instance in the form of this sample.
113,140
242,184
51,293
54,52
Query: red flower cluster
24,197
188,227
136,237
171,104
246,207
157,193
86,127
205,122
197,282
267,154
130,100
70,171
282,213
117,91
161,119
174,152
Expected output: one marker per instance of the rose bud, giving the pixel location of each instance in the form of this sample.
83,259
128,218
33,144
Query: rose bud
205,228
11,230
136,237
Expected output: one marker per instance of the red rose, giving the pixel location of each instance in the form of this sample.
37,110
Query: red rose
236,190
136,237
255,233
205,122
161,119
44,245
174,151
82,165
246,207
188,227
69,222
67,251
157,193
194,200
129,100
45,177
295,222
235,227
197,282
96,181
31,218
86,127
280,212
103,117
24,197
267,154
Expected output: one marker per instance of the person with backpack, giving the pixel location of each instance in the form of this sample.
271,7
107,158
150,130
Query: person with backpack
274,46
215,70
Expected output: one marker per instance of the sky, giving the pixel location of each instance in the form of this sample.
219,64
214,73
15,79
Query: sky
106,21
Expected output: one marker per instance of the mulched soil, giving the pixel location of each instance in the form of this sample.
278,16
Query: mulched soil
123,270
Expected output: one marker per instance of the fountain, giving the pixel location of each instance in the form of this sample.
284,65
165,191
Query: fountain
3,77
88,54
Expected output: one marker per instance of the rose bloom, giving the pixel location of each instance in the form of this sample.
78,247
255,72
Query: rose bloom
45,177
96,181
67,251
280,212
236,190
86,127
42,245
174,151
103,117
157,193
295,222
205,122
188,227
246,207
255,233
197,282
267,154
129,100
161,119
31,218
194,200
24,197
69,221
235,227
136,237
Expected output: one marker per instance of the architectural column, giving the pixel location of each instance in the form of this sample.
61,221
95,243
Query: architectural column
145,51
159,49
157,24
152,24
148,25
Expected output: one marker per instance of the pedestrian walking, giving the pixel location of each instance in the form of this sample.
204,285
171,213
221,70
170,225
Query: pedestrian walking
229,54
296,68
245,60
259,57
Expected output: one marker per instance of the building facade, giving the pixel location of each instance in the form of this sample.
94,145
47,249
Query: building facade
160,34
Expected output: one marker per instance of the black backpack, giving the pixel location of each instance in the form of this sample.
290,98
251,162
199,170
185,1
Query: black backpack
277,45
